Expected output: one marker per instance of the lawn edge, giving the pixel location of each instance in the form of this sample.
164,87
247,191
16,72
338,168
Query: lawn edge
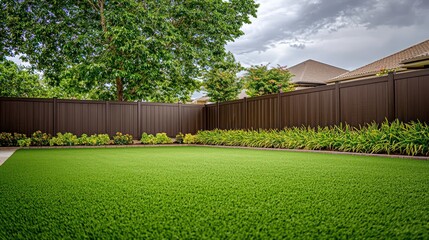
236,147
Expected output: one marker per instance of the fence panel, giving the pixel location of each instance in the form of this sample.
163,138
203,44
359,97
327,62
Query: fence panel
412,96
211,116
365,101
262,112
26,115
192,118
312,107
80,117
231,115
158,117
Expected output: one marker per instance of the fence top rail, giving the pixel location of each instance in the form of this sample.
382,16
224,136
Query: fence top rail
310,90
48,100
364,82
416,73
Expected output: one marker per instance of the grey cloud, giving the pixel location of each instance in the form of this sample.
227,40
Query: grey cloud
312,17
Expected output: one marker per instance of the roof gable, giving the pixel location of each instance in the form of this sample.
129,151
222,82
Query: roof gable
394,61
314,72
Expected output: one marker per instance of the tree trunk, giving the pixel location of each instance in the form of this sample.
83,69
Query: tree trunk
119,89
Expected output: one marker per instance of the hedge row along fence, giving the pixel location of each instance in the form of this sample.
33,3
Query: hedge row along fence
39,138
391,138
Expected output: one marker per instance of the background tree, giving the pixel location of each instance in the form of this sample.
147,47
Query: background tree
221,81
259,80
123,49
17,81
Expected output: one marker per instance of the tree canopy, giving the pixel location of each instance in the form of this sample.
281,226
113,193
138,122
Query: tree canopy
260,80
221,81
123,49
17,81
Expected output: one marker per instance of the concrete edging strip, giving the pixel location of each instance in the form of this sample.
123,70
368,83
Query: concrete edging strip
5,153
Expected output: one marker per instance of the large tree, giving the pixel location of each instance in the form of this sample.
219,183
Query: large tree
124,49
260,80
17,81
221,81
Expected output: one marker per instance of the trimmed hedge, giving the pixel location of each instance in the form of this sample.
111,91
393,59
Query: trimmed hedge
391,138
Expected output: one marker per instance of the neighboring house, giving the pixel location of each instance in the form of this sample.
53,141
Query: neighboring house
312,73
201,100
414,57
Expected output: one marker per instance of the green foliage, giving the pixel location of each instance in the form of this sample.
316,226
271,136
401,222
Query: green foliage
66,139
259,80
94,140
40,139
162,138
391,138
210,193
123,50
121,139
179,138
189,139
147,139
17,81
221,81
10,140
26,142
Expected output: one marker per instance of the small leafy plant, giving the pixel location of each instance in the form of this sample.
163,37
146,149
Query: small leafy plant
24,142
189,139
162,138
122,139
148,139
39,138
179,138
66,139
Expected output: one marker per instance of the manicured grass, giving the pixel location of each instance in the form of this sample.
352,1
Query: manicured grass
202,192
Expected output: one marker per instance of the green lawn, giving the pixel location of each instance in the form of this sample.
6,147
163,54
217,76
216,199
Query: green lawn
203,192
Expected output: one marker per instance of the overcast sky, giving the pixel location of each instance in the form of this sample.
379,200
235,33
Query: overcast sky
343,33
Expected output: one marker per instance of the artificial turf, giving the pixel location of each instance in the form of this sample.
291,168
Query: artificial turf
203,192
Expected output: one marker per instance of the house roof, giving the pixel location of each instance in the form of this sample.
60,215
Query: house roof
311,72
395,61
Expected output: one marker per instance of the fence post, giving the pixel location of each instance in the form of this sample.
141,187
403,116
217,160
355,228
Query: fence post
337,104
245,114
205,117
279,115
180,116
107,122
391,115
217,115
54,115
139,105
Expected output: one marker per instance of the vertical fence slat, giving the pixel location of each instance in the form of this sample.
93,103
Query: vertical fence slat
337,103
391,97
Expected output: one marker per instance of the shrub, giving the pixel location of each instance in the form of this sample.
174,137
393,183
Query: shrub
121,139
189,139
179,138
6,139
66,139
395,137
148,139
94,140
24,142
40,139
162,138
103,139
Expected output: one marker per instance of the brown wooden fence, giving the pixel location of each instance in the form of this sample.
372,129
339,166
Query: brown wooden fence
403,96
26,115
